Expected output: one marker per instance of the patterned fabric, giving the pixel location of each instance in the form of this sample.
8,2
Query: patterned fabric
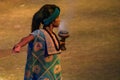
50,45
39,67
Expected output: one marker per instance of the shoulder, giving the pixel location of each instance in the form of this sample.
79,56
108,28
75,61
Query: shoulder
39,32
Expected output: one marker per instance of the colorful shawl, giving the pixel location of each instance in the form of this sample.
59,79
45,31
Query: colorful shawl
42,60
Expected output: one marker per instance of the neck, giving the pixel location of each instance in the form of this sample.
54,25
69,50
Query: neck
50,29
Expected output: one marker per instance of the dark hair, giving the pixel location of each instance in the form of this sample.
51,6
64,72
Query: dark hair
43,13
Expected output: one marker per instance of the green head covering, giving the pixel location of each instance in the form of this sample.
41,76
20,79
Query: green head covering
52,17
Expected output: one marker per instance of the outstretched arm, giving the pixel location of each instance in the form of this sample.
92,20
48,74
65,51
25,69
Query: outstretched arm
23,42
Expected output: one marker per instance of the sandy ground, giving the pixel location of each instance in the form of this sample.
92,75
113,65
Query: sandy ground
93,46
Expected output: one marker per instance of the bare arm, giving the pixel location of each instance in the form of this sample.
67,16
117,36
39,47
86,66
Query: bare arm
22,43
25,40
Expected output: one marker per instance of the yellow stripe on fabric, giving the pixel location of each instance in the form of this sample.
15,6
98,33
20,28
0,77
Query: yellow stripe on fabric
38,60
35,57
58,77
49,68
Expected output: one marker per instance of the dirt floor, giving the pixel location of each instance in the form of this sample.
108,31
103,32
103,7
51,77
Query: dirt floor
93,48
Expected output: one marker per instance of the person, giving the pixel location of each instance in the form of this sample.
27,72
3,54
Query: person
43,61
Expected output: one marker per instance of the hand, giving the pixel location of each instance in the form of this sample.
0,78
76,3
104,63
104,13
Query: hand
16,48
62,46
